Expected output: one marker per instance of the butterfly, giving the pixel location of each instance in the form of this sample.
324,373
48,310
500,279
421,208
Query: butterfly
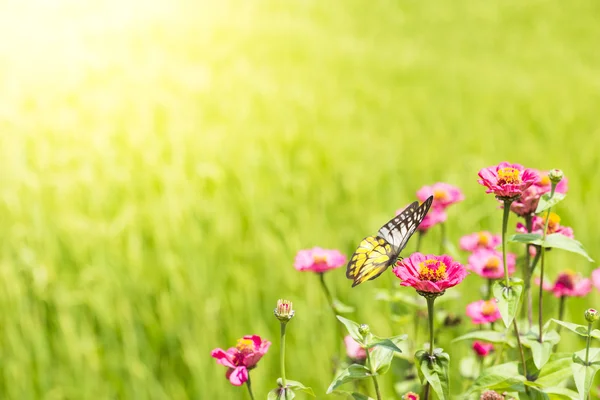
376,253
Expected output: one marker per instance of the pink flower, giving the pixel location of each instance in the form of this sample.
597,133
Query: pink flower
410,396
480,240
530,198
507,180
318,260
554,226
596,278
488,263
568,283
430,273
546,185
443,194
353,349
241,358
483,312
482,349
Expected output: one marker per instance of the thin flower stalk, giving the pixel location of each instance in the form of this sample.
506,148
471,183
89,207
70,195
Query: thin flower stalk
374,377
542,251
249,386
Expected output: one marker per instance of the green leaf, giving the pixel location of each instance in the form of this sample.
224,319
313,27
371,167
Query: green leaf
353,372
341,307
559,241
273,394
281,394
583,373
555,371
578,329
387,342
469,367
546,201
351,396
381,359
489,336
541,351
435,371
297,386
508,298
557,392
531,238
352,328
499,377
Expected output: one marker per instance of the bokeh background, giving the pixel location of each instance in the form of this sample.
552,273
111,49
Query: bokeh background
161,162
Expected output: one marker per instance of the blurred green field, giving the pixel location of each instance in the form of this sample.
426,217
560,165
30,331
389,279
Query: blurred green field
162,162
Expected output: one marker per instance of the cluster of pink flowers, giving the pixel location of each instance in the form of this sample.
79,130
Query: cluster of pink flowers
241,358
554,226
444,195
528,202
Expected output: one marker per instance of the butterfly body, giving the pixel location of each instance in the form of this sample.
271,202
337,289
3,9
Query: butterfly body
376,253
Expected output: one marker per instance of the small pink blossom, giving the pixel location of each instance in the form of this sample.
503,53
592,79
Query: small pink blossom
482,348
410,396
507,180
483,311
528,202
430,273
596,278
443,194
488,263
554,226
319,260
243,357
568,283
354,349
480,240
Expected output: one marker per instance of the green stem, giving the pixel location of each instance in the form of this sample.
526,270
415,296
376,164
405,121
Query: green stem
282,355
561,310
442,237
339,333
543,256
430,302
527,272
520,348
507,204
375,383
249,385
587,345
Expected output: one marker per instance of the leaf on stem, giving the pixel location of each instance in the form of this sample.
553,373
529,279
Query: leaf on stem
541,351
353,372
297,386
434,369
488,336
353,329
578,329
381,359
547,201
508,298
583,373
558,369
499,377
387,342
559,241
529,238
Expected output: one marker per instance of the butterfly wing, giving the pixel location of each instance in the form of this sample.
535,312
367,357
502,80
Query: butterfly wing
400,228
373,256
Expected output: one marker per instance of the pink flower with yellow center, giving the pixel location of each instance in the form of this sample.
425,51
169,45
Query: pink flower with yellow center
354,349
480,240
482,348
430,273
554,226
507,181
319,260
568,283
443,194
483,311
241,358
410,396
488,263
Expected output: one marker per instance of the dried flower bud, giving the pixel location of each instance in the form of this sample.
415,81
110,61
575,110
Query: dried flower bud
491,395
591,315
284,311
364,329
555,175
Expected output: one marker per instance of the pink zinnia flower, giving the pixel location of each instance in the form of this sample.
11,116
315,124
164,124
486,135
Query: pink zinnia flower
482,348
507,180
354,349
483,311
527,204
480,240
443,194
488,263
568,283
554,226
319,260
545,184
410,396
241,358
430,273
596,278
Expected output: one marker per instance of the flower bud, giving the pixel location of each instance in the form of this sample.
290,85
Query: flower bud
410,396
592,315
284,311
364,329
555,175
491,395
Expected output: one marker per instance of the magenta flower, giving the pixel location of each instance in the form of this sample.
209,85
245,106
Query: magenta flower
488,263
482,349
568,283
319,260
480,240
596,278
507,181
354,349
410,396
443,194
554,226
241,358
430,273
483,311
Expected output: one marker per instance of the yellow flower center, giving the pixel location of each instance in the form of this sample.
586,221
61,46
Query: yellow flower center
553,221
492,264
432,270
245,345
509,176
320,258
440,194
488,308
545,180
483,238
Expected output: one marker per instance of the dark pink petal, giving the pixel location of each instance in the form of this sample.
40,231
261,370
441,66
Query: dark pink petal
237,376
223,357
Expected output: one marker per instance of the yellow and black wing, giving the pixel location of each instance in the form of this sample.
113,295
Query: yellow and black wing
373,256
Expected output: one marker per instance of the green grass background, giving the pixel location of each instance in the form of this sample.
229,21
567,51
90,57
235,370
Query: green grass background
162,162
